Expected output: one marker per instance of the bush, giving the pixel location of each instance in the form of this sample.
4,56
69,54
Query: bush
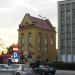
64,66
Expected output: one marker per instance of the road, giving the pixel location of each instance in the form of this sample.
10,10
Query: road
63,72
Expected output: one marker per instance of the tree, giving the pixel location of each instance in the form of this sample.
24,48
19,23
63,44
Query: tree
10,49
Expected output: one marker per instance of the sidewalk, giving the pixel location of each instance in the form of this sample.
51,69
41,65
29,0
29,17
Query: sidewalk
65,71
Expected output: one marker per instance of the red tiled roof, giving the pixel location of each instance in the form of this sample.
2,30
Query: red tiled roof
45,24
40,23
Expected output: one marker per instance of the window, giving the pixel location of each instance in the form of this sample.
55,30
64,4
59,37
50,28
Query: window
30,48
46,41
26,22
73,20
68,50
73,49
22,42
73,12
62,22
73,35
29,42
68,36
68,7
73,41
73,6
62,15
39,48
73,27
62,42
29,38
62,36
39,57
52,42
68,43
39,42
68,21
62,29
68,14
46,48
68,26
62,7
62,50
40,38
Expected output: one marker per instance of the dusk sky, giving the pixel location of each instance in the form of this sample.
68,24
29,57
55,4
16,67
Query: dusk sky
13,11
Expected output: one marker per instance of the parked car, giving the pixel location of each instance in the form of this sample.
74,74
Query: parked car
44,70
16,69
51,70
22,69
39,70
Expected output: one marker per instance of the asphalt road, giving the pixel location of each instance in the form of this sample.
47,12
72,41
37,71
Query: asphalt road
65,72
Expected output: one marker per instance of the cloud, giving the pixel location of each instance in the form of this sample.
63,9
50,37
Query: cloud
5,3
13,11
9,36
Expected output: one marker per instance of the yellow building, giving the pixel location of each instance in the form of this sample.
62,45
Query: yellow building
37,38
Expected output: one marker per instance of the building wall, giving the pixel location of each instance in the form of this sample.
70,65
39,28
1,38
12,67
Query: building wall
25,32
66,27
50,53
27,27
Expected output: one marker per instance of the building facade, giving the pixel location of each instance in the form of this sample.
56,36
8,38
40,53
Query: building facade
66,30
37,38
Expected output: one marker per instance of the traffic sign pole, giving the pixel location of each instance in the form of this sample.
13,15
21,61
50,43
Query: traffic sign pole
15,54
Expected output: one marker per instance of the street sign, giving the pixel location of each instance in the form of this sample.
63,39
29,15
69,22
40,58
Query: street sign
14,60
15,55
15,48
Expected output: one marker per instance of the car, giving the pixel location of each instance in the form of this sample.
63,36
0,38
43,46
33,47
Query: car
16,69
39,70
22,69
44,70
51,70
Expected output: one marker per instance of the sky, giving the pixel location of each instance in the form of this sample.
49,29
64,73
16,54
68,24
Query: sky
13,11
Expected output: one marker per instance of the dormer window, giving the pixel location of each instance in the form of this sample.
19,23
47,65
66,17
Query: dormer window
26,22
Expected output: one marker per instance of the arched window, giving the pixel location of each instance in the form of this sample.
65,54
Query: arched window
46,42
22,41
39,42
46,39
30,42
52,40
40,38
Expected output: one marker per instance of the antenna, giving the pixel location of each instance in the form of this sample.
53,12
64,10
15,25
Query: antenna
42,17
